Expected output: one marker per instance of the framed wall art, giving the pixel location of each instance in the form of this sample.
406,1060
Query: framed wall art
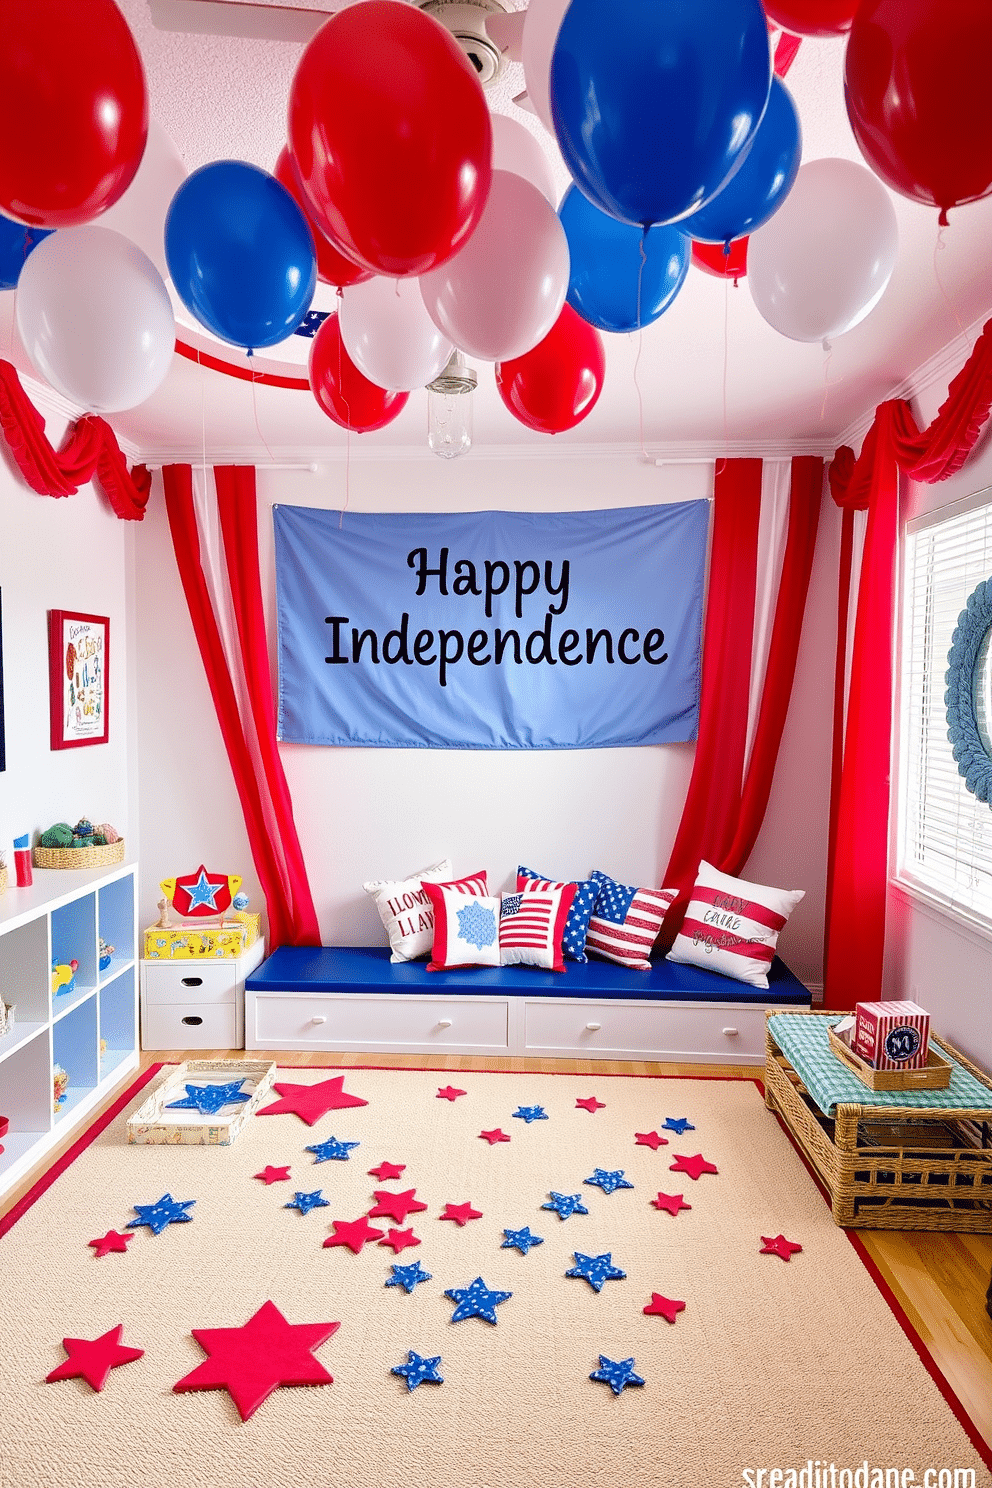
79,677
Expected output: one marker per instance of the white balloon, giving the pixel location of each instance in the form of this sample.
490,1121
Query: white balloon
516,150
824,260
501,294
544,18
389,335
95,318
140,213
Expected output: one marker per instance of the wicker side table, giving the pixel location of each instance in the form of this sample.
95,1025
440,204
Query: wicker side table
891,1167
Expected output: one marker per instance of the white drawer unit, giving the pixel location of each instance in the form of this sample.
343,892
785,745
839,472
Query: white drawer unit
187,1004
413,1025
721,1033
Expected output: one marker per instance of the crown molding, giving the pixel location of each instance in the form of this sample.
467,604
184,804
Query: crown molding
51,404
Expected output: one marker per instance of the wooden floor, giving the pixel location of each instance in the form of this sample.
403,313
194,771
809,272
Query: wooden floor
939,1280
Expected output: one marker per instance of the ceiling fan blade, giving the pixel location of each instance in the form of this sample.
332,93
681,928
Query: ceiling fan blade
232,18
506,31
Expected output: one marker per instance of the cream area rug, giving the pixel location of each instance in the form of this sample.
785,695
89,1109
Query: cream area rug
582,1380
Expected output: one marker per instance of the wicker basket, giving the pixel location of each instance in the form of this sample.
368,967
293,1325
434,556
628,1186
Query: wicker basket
79,857
3,879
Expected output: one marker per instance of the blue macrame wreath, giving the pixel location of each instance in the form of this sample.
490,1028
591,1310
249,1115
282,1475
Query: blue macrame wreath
969,649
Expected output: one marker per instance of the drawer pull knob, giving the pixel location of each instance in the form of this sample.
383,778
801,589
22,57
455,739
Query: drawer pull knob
194,1022
318,1018
730,1032
444,1022
192,981
594,1027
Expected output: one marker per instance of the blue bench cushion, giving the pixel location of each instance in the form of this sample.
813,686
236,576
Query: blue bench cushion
368,968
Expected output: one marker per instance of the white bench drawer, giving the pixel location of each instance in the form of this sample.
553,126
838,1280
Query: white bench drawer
325,1021
189,981
613,1030
189,1026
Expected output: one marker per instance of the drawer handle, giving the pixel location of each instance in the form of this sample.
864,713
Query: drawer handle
594,1027
194,1022
730,1032
192,981
444,1022
318,1018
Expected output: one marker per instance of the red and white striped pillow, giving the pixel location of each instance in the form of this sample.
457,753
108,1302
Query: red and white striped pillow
532,924
625,921
732,926
466,923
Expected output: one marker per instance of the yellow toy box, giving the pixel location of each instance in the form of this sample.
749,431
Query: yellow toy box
225,938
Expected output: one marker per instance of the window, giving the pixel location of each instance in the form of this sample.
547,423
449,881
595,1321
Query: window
945,831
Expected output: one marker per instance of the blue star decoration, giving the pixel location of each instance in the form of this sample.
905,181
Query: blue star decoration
678,1124
565,1205
307,1201
476,1300
165,1212
616,1373
522,1240
332,1148
418,1371
596,1269
205,892
608,1182
209,1099
477,926
408,1277
531,1113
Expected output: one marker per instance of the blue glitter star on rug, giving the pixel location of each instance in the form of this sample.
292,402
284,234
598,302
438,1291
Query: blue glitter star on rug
596,1269
418,1371
165,1212
616,1373
209,1099
307,1201
332,1148
476,1300
531,1113
608,1182
408,1276
678,1124
521,1239
565,1205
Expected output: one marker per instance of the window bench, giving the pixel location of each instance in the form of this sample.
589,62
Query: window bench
354,998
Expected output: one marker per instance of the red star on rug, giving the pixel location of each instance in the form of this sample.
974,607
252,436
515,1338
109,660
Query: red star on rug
494,1136
590,1103
387,1170
664,1307
399,1240
672,1202
396,1205
692,1165
352,1232
778,1245
112,1240
449,1093
650,1139
310,1102
92,1359
272,1175
460,1213
250,1362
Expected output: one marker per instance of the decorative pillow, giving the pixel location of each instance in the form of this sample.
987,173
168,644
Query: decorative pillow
405,910
732,926
577,925
532,922
466,925
625,921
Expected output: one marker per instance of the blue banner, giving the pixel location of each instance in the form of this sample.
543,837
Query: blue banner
490,630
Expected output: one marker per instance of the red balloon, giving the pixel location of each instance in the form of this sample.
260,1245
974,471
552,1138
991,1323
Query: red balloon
812,17
556,384
73,110
711,258
389,130
344,393
332,266
916,79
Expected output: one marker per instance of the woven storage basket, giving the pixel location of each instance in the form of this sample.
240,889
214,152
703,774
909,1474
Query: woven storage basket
3,879
79,857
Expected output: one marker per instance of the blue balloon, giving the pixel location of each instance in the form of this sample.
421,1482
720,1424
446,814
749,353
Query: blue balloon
612,284
240,253
16,242
757,190
654,102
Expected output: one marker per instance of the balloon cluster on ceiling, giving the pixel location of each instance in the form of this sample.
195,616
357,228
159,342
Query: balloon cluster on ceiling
438,222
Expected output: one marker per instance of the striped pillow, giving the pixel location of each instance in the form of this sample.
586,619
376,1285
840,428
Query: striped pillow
625,921
532,923
466,924
573,941
732,926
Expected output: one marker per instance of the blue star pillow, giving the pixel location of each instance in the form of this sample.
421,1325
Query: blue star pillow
573,941
466,924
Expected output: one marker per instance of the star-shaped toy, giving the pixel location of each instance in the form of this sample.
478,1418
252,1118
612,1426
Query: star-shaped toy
165,1212
596,1270
476,1300
608,1182
494,1136
694,1166
665,1307
672,1202
418,1371
460,1213
521,1240
616,1373
307,1201
108,1242
209,1099
253,1361
565,1205
332,1149
590,1103
650,1139
531,1113
270,1174
778,1245
387,1170
352,1232
678,1124
310,1102
200,893
450,1093
92,1359
396,1205
408,1276
399,1240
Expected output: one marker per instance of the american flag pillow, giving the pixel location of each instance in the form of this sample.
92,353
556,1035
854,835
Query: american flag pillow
573,941
732,926
466,924
625,921
532,923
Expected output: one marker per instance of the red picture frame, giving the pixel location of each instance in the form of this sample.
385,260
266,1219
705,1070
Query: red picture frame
79,678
